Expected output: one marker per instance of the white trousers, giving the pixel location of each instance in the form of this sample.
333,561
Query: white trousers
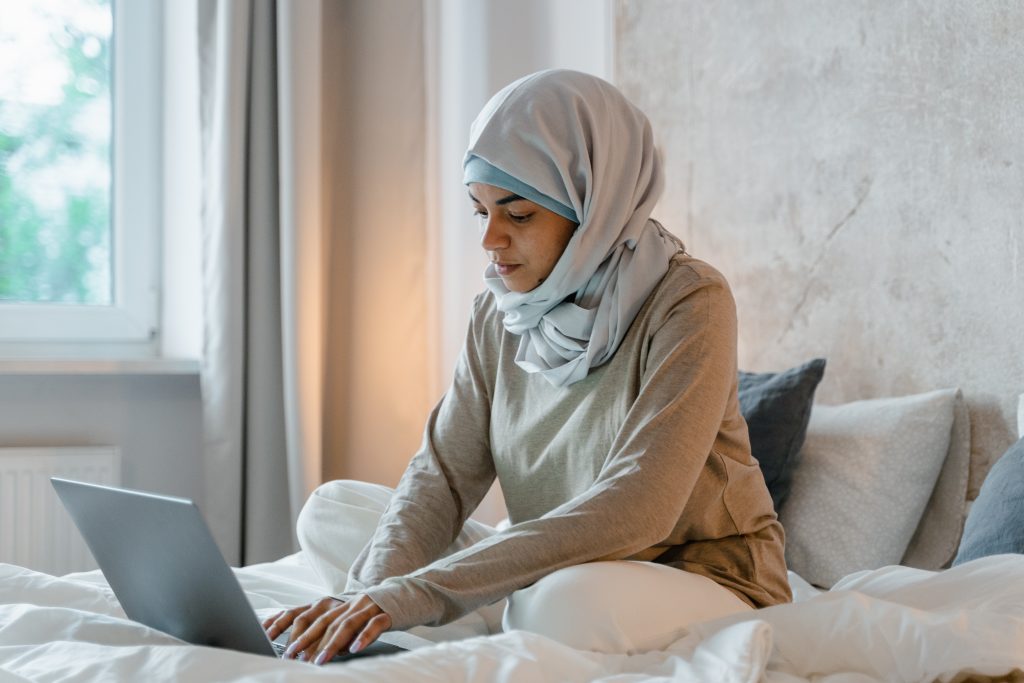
612,607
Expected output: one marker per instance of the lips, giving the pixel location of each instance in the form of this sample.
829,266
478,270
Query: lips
504,269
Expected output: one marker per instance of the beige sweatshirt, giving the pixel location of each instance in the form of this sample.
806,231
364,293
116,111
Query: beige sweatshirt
646,459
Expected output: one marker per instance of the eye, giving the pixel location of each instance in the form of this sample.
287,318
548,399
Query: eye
480,213
520,218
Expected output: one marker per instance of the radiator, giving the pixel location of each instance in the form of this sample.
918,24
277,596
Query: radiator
35,530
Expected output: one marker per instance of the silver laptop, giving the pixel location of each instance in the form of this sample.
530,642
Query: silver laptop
163,565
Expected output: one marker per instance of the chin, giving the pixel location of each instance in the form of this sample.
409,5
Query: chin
520,289
520,284
513,285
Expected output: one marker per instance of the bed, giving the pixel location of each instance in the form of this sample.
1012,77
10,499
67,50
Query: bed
881,606
894,623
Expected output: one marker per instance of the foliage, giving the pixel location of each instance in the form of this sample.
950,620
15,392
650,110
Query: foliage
55,182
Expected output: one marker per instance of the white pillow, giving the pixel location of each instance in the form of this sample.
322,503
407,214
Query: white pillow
1020,416
866,472
937,538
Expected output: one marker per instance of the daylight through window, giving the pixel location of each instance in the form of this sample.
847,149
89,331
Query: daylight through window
55,152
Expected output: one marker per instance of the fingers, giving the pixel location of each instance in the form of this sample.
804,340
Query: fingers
309,642
325,628
353,631
310,625
279,623
376,626
269,621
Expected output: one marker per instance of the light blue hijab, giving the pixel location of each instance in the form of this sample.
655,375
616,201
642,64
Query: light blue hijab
577,141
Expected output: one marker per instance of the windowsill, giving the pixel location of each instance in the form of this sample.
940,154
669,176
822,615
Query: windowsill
95,366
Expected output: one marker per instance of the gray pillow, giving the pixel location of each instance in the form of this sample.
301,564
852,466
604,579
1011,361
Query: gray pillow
867,471
995,524
777,407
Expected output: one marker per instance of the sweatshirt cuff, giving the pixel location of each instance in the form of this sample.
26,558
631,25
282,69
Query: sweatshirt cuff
406,608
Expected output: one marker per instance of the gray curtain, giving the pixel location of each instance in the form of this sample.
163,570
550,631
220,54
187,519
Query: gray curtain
261,442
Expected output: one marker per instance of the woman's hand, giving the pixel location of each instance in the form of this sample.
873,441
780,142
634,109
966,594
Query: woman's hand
328,626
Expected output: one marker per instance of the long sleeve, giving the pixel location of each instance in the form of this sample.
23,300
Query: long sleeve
678,376
443,484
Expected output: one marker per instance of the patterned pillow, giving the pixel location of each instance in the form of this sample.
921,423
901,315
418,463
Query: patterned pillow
935,542
777,408
866,473
995,524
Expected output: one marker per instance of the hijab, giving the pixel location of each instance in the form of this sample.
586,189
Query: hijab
576,141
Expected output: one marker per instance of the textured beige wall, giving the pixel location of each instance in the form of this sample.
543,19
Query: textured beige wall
856,169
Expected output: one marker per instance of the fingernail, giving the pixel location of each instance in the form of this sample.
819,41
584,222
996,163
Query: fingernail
290,650
320,658
356,646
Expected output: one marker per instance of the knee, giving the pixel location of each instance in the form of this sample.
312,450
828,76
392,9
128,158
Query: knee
618,607
569,585
336,522
352,492
340,506
341,497
566,606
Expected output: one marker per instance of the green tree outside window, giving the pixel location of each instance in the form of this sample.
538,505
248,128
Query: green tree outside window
55,161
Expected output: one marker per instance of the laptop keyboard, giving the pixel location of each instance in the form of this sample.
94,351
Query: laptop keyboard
375,648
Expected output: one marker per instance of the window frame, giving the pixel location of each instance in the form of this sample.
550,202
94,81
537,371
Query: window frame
129,325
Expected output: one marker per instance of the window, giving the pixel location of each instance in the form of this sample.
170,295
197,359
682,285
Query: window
80,175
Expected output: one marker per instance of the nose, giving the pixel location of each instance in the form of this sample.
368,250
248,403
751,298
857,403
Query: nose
492,236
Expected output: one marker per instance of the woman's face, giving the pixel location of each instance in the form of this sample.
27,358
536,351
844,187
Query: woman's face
522,239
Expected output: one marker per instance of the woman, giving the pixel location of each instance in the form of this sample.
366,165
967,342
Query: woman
598,384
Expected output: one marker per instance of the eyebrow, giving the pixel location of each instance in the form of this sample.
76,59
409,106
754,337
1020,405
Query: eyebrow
501,202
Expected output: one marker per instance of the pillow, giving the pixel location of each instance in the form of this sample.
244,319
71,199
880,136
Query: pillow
777,407
938,534
996,522
867,471
1020,416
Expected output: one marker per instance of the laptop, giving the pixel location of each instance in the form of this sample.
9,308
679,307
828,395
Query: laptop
163,565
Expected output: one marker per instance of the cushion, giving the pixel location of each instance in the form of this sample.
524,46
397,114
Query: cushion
996,522
777,407
938,534
1020,416
867,471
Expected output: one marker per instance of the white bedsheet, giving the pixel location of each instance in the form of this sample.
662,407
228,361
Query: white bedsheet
893,624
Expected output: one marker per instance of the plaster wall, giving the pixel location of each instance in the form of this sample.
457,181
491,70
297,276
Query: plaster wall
856,170
156,421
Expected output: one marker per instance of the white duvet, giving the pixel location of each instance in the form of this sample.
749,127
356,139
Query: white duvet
893,624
